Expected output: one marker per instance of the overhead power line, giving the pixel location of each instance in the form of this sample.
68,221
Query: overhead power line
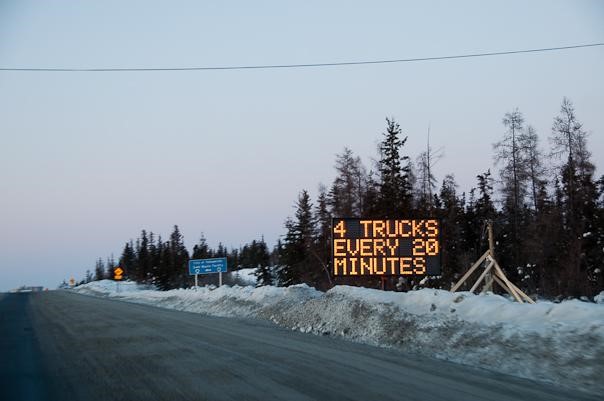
306,65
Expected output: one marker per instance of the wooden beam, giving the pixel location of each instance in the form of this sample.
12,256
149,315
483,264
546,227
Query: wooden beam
491,239
503,285
487,269
502,276
469,272
508,286
489,281
489,284
522,294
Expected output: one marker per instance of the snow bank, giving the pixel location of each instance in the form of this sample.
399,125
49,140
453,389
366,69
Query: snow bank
107,287
561,343
245,276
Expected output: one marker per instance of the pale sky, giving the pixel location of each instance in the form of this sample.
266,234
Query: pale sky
87,160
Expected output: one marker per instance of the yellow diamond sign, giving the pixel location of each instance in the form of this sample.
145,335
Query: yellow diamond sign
117,273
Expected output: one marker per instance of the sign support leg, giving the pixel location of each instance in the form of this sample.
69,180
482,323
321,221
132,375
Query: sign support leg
196,282
220,279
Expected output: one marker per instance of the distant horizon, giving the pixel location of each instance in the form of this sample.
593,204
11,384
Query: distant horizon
213,243
88,160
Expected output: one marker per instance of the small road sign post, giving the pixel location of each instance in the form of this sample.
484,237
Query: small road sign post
208,266
117,276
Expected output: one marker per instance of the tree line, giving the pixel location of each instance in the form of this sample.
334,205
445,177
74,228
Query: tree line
546,206
164,264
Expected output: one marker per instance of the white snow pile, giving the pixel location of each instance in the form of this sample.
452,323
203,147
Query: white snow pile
556,342
105,287
245,276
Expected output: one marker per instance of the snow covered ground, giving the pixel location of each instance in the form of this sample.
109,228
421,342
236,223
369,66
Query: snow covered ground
556,342
244,276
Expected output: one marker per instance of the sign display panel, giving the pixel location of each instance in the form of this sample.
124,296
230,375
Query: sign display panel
117,273
207,266
366,247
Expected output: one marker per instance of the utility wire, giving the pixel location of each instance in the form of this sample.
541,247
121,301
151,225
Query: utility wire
310,65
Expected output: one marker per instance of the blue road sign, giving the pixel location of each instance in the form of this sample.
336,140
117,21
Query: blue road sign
207,266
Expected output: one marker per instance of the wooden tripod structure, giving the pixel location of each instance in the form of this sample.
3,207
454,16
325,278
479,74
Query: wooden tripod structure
492,272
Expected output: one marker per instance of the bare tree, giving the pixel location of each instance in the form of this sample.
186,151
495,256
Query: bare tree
509,151
348,189
534,163
569,140
425,174
568,137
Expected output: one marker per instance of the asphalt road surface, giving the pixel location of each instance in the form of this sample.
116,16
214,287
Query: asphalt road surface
62,346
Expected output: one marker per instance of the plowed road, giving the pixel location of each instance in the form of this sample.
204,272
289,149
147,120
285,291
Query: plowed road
62,346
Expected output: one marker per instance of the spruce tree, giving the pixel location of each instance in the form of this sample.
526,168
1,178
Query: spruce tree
323,217
347,191
163,276
99,270
578,199
128,262
511,153
292,255
111,265
426,182
451,218
178,260
155,251
201,250
262,260
143,265
298,259
395,188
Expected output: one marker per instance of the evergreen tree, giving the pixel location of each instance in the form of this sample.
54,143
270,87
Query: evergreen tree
292,254
451,217
128,262
172,271
323,217
371,197
347,191
179,260
479,212
534,165
155,252
221,251
201,250
99,270
298,259
511,152
275,256
262,261
144,259
395,187
234,259
322,246
485,210
164,273
110,266
264,276
578,199
594,252
569,141
426,182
